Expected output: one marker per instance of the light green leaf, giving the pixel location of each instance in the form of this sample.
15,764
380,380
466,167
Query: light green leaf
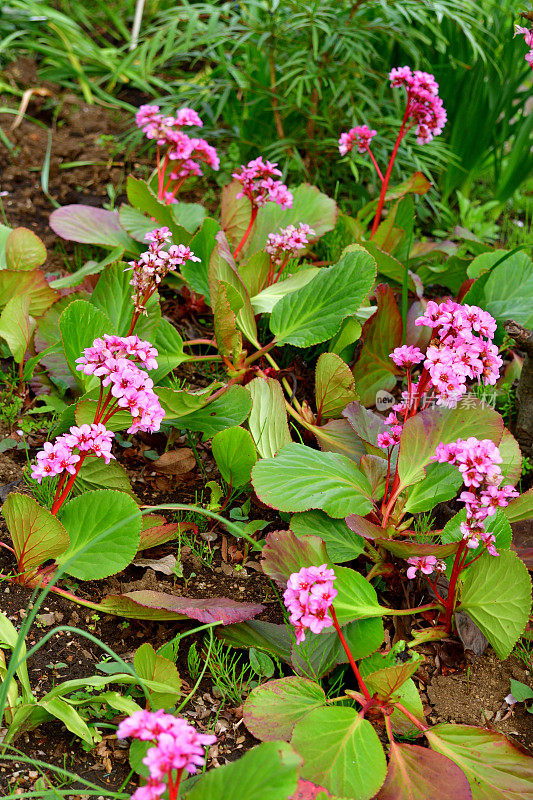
496,768
151,666
169,346
334,386
520,507
99,522
113,296
36,533
231,408
272,710
60,709
96,474
356,597
268,417
268,772
300,478
24,250
17,327
314,313
265,301
235,454
496,595
422,433
33,284
442,482
341,752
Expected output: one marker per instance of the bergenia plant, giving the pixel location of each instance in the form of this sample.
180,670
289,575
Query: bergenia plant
178,154
424,110
527,33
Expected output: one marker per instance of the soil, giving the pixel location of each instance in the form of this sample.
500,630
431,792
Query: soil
454,687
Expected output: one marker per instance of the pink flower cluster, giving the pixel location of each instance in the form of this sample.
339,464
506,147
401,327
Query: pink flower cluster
308,596
152,265
177,746
463,349
424,106
527,33
478,461
56,458
426,564
288,242
184,149
115,359
259,184
359,137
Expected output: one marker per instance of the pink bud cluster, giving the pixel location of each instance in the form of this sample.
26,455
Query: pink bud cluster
115,359
177,746
461,348
478,461
60,457
288,242
527,33
152,265
359,137
259,184
424,106
426,564
308,596
183,149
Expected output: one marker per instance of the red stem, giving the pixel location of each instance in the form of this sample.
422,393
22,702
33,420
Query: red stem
450,600
360,681
386,179
375,163
63,496
247,233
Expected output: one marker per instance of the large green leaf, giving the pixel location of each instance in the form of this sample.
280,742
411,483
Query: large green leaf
80,324
268,417
309,205
265,301
33,284
334,386
36,533
356,597
196,273
422,433
16,326
235,454
496,595
272,710
314,313
416,773
496,768
341,543
268,772
442,482
300,478
101,522
341,751
374,369
265,636
506,291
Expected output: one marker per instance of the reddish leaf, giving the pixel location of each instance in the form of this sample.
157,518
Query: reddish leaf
381,333
309,791
90,225
159,534
364,527
285,553
416,773
272,710
158,605
404,549
14,283
366,425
